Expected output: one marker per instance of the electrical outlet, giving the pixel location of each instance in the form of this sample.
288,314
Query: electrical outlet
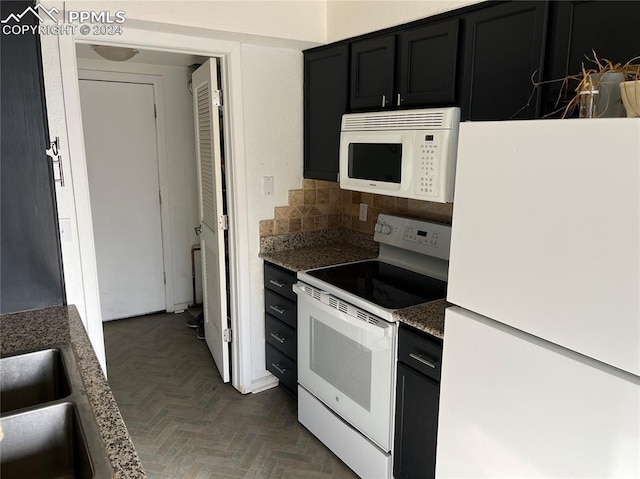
65,230
363,211
267,185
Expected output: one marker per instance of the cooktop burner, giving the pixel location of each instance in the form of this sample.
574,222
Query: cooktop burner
383,284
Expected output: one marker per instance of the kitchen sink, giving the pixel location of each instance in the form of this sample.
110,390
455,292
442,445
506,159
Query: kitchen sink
48,426
45,442
32,378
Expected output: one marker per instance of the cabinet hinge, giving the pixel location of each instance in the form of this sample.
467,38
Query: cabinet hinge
160,196
227,335
223,222
155,111
216,98
164,277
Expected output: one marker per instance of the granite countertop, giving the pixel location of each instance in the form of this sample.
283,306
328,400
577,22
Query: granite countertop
427,317
62,324
316,256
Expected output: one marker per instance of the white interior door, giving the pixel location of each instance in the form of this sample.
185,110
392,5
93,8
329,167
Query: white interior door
209,153
118,120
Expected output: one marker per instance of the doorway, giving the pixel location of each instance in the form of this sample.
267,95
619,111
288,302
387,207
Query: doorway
80,257
121,144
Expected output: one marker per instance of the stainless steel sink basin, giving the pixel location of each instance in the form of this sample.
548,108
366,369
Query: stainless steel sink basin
32,378
45,442
48,424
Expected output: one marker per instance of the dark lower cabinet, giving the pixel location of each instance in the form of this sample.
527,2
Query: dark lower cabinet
504,47
30,262
417,399
281,342
326,99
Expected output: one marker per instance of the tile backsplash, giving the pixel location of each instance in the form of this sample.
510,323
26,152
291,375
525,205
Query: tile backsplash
321,205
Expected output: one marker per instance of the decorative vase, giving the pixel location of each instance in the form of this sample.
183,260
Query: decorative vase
608,103
630,93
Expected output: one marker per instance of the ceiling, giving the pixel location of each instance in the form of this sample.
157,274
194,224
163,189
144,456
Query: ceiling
150,57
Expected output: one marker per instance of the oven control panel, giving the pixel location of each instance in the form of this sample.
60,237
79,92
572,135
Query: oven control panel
432,239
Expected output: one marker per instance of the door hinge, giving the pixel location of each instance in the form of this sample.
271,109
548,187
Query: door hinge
155,111
216,97
227,335
164,277
223,222
160,196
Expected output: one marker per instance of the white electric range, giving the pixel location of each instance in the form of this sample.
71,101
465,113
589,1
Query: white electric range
347,339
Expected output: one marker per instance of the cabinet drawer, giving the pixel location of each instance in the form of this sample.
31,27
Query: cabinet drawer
280,308
420,352
279,280
282,367
281,336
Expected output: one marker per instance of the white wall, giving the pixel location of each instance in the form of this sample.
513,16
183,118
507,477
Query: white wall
290,19
182,197
347,19
272,97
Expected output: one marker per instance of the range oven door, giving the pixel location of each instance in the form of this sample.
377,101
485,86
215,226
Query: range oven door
347,362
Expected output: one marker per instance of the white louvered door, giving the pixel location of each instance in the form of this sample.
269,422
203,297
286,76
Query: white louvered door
209,153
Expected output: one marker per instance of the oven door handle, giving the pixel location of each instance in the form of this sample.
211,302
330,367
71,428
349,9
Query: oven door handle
380,331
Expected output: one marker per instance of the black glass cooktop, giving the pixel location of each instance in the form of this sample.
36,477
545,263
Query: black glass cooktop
383,284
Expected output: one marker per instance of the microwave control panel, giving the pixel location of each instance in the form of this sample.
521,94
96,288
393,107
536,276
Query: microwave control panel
430,146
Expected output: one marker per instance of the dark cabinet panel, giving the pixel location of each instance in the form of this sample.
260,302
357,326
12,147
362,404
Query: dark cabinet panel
504,46
326,96
30,263
416,425
428,60
372,73
280,323
577,29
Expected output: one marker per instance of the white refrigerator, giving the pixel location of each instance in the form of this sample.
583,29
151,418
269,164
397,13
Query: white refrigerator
541,360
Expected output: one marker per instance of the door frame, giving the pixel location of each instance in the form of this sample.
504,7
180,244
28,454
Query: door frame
163,38
163,168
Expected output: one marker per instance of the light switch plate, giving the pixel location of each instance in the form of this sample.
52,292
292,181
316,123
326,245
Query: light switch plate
267,185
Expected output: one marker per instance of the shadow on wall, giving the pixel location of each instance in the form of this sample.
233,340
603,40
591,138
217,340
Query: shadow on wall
321,205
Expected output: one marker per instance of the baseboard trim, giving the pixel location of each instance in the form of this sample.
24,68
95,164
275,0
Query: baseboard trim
262,384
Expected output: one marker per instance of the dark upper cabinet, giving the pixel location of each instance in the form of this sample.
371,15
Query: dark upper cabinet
372,73
428,59
577,29
30,263
504,47
416,67
326,97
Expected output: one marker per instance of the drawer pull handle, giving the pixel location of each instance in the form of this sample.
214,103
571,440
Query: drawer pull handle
278,338
276,283
277,309
278,368
421,359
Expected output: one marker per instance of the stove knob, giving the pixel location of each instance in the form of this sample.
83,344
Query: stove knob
378,228
386,229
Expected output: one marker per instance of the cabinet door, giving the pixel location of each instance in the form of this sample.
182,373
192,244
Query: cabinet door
31,264
372,73
428,60
416,427
504,47
326,96
576,29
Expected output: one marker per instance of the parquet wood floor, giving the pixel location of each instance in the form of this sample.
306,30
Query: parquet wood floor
185,423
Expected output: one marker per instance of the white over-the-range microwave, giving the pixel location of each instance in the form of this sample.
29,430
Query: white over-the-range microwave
408,153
